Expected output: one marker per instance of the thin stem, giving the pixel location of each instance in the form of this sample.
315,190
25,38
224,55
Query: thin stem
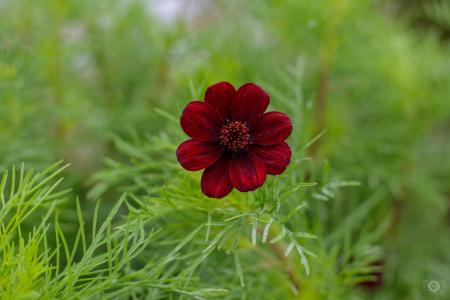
320,107
279,251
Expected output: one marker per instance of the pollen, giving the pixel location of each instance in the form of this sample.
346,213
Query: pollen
234,136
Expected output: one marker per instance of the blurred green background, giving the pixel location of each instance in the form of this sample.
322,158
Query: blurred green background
375,74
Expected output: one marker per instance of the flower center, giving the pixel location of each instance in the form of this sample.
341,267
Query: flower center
234,136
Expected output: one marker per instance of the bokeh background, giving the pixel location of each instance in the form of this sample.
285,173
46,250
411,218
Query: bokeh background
374,74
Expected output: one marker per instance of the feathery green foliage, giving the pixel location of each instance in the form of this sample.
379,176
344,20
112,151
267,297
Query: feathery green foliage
102,84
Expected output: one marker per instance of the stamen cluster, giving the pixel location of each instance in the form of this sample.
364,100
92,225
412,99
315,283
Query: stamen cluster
234,136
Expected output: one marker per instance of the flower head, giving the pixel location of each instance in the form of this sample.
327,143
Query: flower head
233,139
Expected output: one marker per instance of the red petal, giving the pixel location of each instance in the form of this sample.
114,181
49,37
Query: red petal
201,121
220,95
249,104
215,180
272,128
276,158
194,155
247,172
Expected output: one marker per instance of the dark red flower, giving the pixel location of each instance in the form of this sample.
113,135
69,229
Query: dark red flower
233,139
